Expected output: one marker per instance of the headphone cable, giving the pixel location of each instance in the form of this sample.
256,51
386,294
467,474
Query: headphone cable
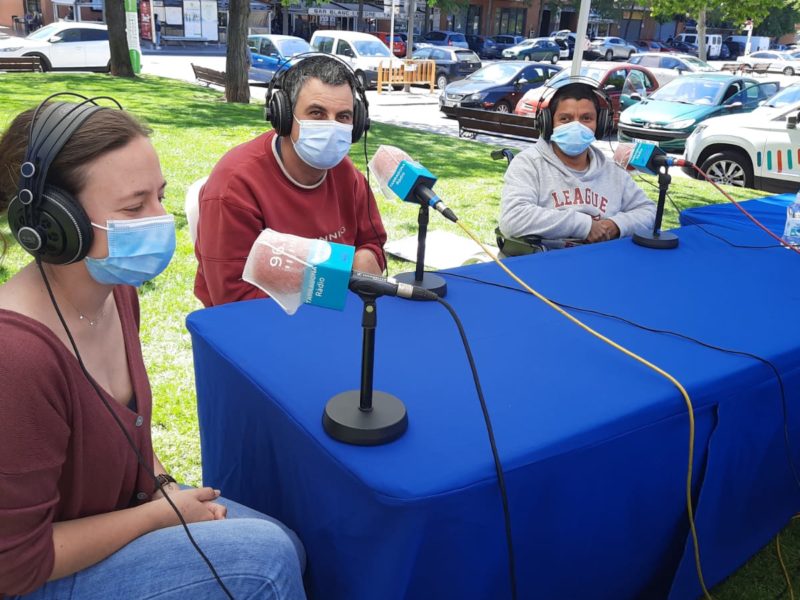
148,468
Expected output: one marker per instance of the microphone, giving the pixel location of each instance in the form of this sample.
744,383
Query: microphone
399,175
645,157
293,270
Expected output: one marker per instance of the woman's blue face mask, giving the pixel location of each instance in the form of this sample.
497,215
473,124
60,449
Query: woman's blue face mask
572,138
138,250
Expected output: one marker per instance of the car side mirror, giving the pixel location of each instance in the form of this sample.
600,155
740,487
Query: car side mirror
635,97
791,122
274,54
55,39
609,87
735,105
522,81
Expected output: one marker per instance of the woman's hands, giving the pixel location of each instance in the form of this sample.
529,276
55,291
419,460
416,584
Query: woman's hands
194,505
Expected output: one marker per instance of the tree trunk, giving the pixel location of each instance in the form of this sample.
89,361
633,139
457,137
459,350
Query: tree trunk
285,13
360,19
118,40
628,22
701,34
237,59
427,21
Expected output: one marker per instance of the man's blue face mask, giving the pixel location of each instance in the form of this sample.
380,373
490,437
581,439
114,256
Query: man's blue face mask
572,138
138,250
323,144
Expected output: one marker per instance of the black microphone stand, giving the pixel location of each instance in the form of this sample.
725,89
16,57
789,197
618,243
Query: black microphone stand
659,240
365,417
419,277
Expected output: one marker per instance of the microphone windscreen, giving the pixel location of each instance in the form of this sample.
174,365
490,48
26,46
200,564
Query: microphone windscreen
383,165
278,264
622,155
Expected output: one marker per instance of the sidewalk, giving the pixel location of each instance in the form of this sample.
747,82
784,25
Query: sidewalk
417,96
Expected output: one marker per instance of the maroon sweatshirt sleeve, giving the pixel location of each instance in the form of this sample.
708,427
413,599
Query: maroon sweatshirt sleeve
226,232
371,235
34,435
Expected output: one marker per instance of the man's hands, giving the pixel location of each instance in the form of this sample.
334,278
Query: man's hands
602,230
365,261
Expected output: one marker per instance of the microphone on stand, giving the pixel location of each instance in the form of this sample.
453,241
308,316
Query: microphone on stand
295,271
400,176
649,158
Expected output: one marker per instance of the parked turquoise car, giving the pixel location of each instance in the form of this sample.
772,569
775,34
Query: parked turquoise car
670,114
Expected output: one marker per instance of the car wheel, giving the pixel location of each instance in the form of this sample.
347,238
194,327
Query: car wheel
42,59
362,80
609,55
554,59
441,81
729,167
527,58
502,107
788,71
629,55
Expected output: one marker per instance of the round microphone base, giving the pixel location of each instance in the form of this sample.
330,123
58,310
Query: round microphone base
344,421
663,241
430,281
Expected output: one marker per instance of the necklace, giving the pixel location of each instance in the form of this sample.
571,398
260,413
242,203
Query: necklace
81,316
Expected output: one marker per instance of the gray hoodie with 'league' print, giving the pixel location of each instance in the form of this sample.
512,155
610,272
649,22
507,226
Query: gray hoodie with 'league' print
544,197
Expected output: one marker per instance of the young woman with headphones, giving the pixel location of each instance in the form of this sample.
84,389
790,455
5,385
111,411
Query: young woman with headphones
86,508
562,189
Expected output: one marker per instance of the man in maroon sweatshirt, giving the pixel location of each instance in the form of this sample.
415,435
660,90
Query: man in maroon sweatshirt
294,179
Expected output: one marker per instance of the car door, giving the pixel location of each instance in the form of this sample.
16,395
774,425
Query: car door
638,84
528,78
96,48
270,55
612,84
345,51
443,60
777,150
67,50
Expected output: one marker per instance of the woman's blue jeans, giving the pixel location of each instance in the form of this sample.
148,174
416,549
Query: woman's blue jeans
257,557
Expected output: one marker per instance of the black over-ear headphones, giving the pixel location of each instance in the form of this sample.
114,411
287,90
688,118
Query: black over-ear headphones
48,222
279,109
544,114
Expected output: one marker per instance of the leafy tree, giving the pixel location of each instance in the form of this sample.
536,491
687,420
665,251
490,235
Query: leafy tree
118,40
733,11
237,57
779,22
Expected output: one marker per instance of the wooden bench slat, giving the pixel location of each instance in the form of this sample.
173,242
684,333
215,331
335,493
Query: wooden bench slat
472,120
209,76
20,64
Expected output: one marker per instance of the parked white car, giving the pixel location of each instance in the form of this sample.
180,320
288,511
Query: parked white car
758,151
610,48
64,45
682,63
779,62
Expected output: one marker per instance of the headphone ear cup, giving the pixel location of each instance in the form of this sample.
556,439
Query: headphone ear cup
280,112
61,232
545,123
360,119
603,124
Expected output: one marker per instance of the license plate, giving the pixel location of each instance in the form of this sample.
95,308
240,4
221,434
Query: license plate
640,141
450,103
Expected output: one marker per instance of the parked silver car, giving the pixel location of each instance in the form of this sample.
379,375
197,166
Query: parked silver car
611,48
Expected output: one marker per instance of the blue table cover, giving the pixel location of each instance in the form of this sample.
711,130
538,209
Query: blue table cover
770,211
594,446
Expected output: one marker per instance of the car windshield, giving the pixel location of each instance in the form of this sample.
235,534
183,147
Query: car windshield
688,91
525,44
290,47
45,32
497,72
787,96
696,64
588,72
370,48
467,56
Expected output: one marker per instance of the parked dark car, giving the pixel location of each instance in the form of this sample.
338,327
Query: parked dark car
535,49
735,48
475,43
445,38
498,86
652,46
684,47
495,44
452,64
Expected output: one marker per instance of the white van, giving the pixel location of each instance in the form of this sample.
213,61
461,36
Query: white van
364,52
713,42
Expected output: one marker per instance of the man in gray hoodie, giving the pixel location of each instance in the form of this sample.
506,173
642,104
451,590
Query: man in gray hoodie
564,189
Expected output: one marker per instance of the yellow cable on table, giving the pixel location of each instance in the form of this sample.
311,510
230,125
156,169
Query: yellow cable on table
646,363
783,567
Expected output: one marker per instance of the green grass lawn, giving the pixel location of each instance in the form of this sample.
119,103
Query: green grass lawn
193,127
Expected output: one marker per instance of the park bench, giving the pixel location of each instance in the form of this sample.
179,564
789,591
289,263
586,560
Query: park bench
209,76
472,121
182,39
21,64
734,67
760,68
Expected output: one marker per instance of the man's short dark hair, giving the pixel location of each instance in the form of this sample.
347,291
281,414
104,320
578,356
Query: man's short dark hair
329,70
574,91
